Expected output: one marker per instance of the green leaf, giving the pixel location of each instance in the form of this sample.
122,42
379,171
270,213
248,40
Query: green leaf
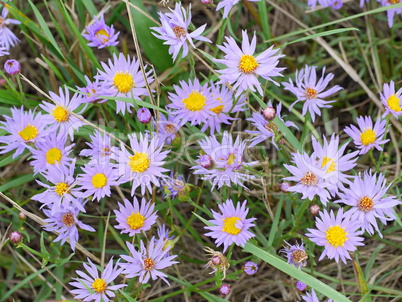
44,251
322,34
60,261
129,299
21,180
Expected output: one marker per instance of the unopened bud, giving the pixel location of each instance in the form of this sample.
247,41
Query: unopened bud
15,237
22,216
250,268
224,289
269,113
285,186
2,82
206,161
207,2
144,115
301,286
12,67
216,260
314,209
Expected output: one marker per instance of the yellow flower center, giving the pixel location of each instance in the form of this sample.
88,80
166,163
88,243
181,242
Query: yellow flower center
149,264
310,93
60,114
336,236
179,31
124,82
68,219
248,64
231,159
367,137
309,179
99,180
139,162
331,167
29,133
217,109
195,101
53,155
103,33
365,204
393,102
135,221
393,1
229,225
61,188
99,285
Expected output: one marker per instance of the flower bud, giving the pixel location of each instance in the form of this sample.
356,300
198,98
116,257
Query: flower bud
285,186
12,67
301,286
269,113
2,82
15,237
206,161
224,289
216,260
314,209
144,115
250,268
22,216
207,2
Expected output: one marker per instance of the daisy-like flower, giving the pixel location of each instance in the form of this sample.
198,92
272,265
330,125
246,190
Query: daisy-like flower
227,6
101,150
63,191
163,235
125,78
231,226
296,254
134,218
337,234
308,90
391,12
95,287
226,107
65,222
60,112
97,180
310,178
167,128
243,67
147,262
265,129
25,128
367,197
392,100
8,37
312,297
226,159
94,90
331,159
250,268
174,31
192,102
100,35
368,136
51,151
144,166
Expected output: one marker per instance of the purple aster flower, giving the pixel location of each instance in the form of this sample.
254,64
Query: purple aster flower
310,178
266,129
60,112
25,129
64,221
8,37
52,151
332,160
337,234
3,49
243,67
125,78
174,31
231,226
301,286
163,235
391,12
312,297
366,195
134,218
250,268
144,166
12,67
226,107
367,137
167,128
323,3
296,254
94,90
100,35
392,100
101,150
336,4
97,180
97,288
192,102
311,92
227,157
147,262
63,191
227,6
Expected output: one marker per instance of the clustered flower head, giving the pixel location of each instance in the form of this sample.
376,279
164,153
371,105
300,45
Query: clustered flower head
296,254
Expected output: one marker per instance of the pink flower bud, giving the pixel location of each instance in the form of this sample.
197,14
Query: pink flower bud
22,216
314,209
216,260
207,2
206,161
144,115
15,237
285,186
269,113
12,67
224,289
301,286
